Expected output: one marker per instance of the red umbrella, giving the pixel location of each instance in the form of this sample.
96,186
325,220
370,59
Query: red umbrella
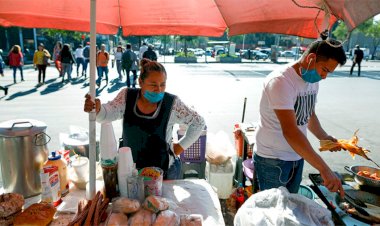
195,17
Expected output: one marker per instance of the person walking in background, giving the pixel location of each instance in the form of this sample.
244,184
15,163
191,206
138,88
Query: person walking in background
2,65
358,57
56,57
129,63
16,61
67,61
118,55
86,58
142,50
41,60
102,60
79,59
150,54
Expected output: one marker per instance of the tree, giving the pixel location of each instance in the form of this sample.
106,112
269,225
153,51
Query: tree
62,34
371,29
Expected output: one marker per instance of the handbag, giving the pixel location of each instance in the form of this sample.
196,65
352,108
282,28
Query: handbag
46,60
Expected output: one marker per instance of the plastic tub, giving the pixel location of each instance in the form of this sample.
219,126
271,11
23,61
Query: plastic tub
306,191
152,182
222,181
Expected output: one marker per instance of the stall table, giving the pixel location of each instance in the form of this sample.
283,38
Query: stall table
191,196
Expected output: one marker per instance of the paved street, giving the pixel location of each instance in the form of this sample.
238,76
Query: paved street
217,91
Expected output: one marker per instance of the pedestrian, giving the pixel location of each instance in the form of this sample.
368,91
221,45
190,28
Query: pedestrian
41,61
142,50
79,59
129,63
358,57
118,56
287,110
67,61
150,54
86,57
2,65
56,57
102,60
149,114
16,61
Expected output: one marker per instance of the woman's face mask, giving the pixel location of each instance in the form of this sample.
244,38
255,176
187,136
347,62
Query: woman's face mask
153,97
310,76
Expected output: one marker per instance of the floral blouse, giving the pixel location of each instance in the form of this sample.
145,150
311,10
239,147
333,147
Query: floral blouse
180,114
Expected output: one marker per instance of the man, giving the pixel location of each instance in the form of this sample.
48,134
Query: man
79,59
129,63
358,57
86,58
150,54
102,59
287,110
2,65
142,50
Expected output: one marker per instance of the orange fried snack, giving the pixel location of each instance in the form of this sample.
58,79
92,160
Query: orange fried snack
348,145
367,174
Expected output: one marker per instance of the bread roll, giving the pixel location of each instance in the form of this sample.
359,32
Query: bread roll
10,203
117,219
155,204
125,205
167,218
38,214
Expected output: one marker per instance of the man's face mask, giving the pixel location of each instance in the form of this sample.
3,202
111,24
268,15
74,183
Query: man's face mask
310,76
153,97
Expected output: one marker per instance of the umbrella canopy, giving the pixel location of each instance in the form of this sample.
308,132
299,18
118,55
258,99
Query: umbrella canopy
195,17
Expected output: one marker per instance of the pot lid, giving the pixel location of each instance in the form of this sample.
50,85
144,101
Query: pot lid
21,127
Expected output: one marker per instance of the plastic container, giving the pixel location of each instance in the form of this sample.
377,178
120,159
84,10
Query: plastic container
135,185
222,181
197,151
125,168
110,181
152,184
56,160
81,168
306,191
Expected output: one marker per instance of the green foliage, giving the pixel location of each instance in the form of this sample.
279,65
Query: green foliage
340,31
62,33
182,54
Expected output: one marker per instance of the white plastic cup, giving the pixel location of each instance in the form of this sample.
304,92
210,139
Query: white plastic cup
124,170
108,145
81,168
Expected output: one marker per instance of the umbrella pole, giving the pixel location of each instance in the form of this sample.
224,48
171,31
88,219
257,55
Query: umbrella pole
92,115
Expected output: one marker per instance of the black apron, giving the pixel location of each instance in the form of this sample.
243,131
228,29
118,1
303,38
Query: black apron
146,135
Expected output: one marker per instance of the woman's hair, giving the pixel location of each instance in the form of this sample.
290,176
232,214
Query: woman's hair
65,50
328,49
16,49
148,66
59,44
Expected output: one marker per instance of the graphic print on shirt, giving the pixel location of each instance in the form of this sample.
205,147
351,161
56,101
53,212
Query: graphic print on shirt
304,107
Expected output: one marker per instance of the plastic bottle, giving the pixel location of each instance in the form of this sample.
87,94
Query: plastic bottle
56,160
135,185
239,196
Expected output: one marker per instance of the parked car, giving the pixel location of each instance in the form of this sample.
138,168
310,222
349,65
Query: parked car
199,52
255,55
288,53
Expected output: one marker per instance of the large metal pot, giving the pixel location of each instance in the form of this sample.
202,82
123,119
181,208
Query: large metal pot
23,152
364,180
79,146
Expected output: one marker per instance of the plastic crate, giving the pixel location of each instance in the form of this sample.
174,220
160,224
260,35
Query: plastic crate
196,152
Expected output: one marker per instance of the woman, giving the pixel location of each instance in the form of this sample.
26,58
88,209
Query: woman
148,117
16,61
56,57
118,55
67,60
41,60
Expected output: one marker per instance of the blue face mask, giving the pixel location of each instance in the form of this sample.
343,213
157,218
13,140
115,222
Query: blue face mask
153,97
310,76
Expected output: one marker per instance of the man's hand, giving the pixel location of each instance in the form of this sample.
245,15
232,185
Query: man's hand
177,149
89,105
331,181
329,137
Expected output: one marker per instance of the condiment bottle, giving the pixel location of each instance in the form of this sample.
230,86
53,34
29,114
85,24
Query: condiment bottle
135,185
56,160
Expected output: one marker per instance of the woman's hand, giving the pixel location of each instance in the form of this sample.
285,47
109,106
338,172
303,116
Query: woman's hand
89,105
177,149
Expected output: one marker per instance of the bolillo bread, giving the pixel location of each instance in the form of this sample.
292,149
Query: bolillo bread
38,214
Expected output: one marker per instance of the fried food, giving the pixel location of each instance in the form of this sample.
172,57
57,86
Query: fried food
348,145
367,174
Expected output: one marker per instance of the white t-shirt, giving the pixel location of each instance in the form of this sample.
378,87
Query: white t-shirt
79,53
283,89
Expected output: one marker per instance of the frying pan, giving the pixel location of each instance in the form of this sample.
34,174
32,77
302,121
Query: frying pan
364,180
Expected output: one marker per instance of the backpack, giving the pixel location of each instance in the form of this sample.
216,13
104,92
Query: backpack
86,52
126,60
